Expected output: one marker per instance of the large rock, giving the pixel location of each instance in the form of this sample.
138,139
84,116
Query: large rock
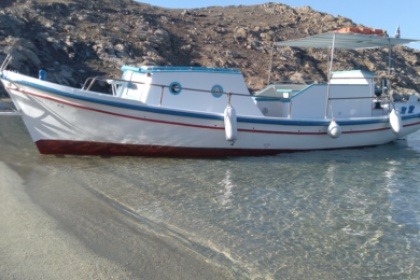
23,54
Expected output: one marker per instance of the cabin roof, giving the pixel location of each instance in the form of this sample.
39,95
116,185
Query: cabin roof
353,74
152,69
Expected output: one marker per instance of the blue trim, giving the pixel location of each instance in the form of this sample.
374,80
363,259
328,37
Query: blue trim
410,116
311,123
210,116
151,69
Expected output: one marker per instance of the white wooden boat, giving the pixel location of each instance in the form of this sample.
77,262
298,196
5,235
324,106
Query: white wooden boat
209,112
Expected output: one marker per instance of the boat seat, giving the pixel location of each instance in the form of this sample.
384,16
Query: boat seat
410,109
403,109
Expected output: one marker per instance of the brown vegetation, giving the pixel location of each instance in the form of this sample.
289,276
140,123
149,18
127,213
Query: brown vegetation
76,39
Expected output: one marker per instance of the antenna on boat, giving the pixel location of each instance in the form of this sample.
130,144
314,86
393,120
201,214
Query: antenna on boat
398,32
397,35
389,58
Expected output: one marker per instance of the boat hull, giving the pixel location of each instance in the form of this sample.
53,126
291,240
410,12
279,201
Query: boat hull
65,120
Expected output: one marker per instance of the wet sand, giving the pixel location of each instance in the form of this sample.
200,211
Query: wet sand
66,232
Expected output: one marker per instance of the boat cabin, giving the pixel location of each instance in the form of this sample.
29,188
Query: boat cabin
188,88
350,94
210,89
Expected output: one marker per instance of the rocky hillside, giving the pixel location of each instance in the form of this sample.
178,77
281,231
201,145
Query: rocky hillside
75,39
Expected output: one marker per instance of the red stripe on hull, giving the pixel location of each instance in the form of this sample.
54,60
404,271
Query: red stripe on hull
63,147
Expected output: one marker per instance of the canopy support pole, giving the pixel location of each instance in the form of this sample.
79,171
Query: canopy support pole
327,101
270,64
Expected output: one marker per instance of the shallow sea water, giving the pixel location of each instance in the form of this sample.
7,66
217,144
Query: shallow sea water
346,214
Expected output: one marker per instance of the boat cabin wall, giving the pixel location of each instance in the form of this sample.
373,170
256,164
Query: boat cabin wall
191,90
135,89
346,100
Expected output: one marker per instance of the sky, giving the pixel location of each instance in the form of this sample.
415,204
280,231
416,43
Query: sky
380,14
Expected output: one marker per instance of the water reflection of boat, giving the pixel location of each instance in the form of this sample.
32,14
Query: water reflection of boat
208,112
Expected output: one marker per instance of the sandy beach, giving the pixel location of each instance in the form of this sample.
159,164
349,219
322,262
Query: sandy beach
67,233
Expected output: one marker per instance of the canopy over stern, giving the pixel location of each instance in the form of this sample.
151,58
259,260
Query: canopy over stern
346,40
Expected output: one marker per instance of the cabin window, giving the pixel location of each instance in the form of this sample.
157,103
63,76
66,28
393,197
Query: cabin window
175,88
217,91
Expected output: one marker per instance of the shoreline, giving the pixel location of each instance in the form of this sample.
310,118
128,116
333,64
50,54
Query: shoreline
32,246
59,233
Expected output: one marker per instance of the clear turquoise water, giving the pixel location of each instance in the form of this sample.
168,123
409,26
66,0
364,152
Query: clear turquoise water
347,214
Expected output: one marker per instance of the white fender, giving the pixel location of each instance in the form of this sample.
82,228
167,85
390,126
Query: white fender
395,121
334,130
231,123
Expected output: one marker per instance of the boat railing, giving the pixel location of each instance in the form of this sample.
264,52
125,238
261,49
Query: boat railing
88,84
377,100
275,92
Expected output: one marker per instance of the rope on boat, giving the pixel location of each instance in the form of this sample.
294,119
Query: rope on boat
91,80
102,79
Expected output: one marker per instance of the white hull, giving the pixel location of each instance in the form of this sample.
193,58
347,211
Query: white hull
64,120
